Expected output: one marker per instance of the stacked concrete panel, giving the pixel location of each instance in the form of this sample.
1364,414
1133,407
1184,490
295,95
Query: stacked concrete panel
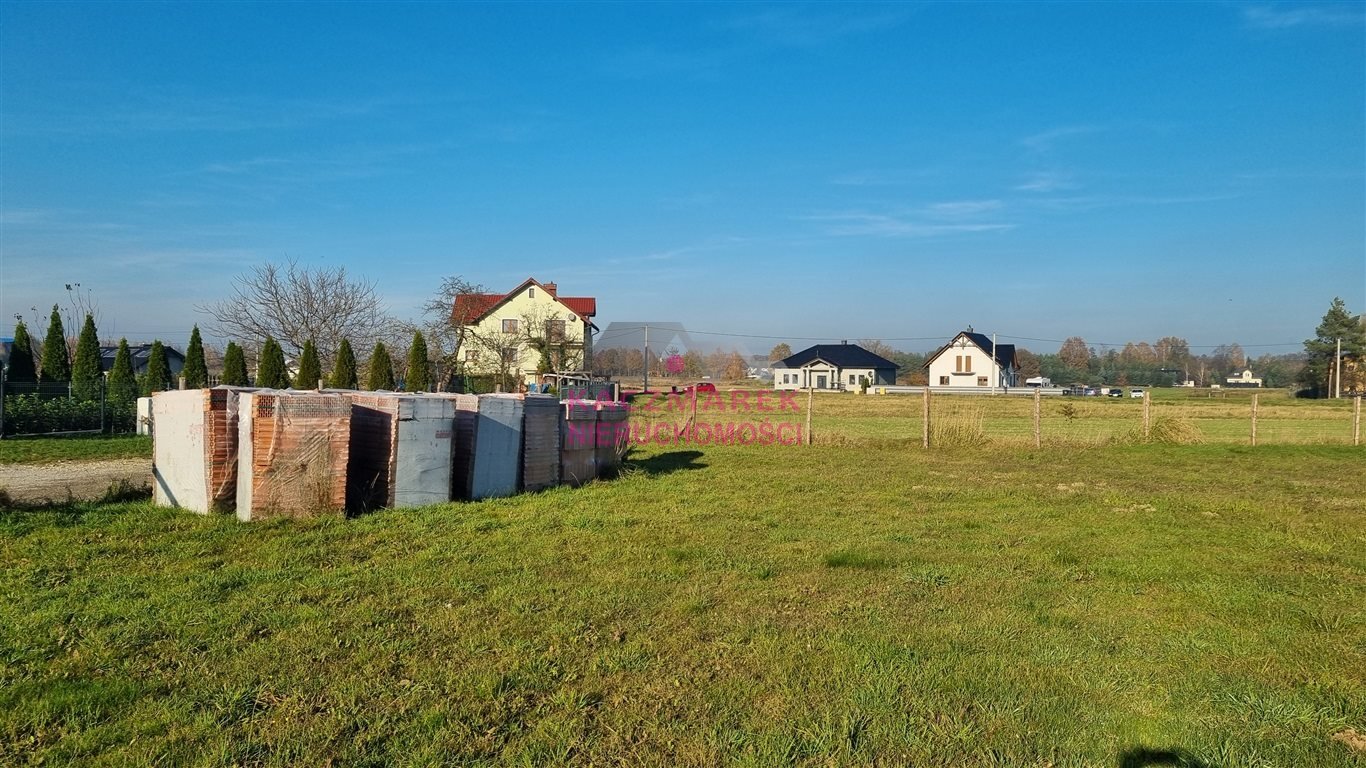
578,441
293,449
613,436
194,463
400,453
540,442
488,445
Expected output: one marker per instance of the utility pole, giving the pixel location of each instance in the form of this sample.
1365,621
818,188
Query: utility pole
647,359
1337,371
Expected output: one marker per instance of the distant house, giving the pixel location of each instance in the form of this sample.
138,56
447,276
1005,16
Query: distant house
505,333
1244,379
833,367
971,361
139,355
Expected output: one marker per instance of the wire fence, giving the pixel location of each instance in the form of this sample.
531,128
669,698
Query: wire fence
61,408
1027,419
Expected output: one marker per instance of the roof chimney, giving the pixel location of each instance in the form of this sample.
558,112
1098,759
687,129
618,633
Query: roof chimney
549,288
844,341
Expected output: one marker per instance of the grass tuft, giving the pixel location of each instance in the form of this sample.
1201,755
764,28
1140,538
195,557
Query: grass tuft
853,558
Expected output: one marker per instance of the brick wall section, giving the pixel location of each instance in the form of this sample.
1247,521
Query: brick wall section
372,461
300,445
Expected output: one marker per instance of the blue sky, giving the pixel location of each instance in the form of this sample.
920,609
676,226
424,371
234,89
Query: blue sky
1115,171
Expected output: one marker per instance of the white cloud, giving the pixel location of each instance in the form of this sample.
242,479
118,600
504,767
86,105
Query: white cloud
1286,17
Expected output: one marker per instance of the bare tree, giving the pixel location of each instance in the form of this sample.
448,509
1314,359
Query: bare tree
444,324
294,304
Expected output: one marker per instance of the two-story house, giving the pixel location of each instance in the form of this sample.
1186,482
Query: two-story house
527,331
972,361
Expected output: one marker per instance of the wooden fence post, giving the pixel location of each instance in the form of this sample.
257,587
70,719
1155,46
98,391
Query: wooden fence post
1356,420
925,420
1254,420
1147,413
1038,432
810,394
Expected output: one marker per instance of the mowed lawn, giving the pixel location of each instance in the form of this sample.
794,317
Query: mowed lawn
836,605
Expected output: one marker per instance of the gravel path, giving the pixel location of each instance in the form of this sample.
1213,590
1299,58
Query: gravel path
82,480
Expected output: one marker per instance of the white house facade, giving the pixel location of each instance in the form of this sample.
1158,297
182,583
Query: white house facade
507,333
972,361
834,367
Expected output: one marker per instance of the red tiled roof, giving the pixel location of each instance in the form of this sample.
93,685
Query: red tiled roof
469,308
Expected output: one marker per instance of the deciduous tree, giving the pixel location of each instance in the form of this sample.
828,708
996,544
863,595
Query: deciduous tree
294,304
1075,354
780,351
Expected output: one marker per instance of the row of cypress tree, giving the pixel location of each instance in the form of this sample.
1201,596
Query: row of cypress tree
84,373
272,372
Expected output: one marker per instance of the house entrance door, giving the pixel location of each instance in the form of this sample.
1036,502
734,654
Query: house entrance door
820,381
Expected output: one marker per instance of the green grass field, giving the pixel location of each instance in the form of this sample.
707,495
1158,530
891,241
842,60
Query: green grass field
45,450
859,604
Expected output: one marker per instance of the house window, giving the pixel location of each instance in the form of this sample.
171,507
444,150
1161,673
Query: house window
509,326
851,378
531,293
471,355
981,381
943,381
554,330
510,355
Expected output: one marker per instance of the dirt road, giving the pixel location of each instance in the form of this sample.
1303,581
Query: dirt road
81,480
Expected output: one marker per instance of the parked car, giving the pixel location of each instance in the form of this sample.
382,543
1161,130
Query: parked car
1135,393
1116,392
704,386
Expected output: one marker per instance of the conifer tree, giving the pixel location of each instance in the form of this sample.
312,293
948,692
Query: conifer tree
21,366
310,370
270,371
123,385
418,377
56,363
344,369
158,375
196,371
381,369
85,372
235,366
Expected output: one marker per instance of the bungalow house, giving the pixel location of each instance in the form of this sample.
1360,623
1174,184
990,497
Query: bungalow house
833,367
970,361
139,355
518,334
